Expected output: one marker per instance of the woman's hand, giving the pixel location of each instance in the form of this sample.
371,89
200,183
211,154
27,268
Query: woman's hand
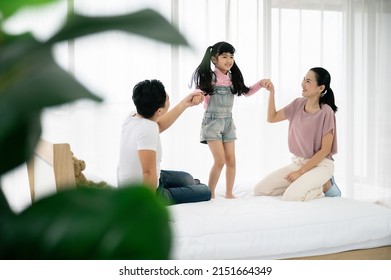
291,177
267,84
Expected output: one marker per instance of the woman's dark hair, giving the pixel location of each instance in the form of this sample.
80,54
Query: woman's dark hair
149,96
203,75
323,78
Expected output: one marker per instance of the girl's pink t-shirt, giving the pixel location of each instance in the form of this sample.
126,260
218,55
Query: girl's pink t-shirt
225,80
306,130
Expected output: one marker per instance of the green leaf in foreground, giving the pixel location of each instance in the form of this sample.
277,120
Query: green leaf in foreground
147,23
126,223
9,7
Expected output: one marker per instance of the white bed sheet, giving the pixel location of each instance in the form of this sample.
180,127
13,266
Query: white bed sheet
252,227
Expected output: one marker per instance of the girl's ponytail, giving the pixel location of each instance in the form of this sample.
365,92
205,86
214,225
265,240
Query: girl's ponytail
202,76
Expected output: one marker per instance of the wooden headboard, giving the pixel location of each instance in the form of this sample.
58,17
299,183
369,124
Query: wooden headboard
58,157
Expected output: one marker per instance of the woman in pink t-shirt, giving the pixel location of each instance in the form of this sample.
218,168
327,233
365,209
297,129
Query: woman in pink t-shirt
312,139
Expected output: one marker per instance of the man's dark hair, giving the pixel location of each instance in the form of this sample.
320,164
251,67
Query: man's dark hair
149,96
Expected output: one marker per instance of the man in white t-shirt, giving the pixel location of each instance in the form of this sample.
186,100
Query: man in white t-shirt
141,150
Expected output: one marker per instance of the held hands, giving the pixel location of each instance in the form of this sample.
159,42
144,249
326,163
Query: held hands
194,98
267,84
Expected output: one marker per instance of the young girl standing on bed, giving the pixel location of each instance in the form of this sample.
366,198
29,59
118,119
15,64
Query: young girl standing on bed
218,130
312,140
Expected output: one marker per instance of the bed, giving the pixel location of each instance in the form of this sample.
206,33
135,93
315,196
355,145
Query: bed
252,227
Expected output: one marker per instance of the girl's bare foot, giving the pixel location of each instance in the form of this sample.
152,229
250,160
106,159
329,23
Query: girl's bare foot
229,196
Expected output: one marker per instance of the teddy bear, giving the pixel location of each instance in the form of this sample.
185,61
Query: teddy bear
81,180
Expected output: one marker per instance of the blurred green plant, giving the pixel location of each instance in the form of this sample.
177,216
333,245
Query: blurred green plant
129,223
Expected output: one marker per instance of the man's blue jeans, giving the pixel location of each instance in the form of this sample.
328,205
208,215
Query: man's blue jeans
179,187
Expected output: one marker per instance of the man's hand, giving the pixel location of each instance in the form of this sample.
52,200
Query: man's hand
198,99
194,98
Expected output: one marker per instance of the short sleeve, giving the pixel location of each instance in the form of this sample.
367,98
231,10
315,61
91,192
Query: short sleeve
329,121
291,108
148,138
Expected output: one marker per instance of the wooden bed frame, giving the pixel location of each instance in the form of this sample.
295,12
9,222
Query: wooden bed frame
380,253
57,156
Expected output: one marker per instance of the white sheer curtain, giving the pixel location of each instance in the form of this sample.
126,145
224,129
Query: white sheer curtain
276,39
368,137
351,39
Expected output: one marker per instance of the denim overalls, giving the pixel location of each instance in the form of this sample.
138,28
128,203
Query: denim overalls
218,123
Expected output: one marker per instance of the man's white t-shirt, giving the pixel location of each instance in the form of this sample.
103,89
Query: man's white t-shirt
137,134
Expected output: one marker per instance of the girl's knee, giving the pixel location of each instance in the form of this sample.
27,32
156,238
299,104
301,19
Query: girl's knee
230,163
219,163
230,160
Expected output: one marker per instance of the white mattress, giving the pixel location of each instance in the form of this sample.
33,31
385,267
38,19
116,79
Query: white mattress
252,227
